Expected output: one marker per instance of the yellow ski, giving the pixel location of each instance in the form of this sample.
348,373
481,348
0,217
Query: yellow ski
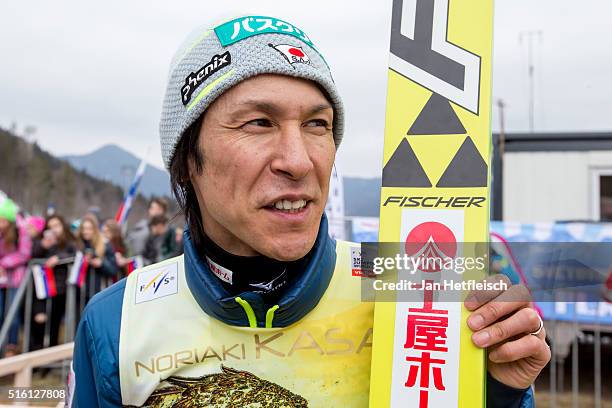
435,197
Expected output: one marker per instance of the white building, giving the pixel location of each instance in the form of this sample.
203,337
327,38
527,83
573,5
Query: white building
553,177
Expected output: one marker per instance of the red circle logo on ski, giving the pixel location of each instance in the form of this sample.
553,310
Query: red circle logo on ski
433,242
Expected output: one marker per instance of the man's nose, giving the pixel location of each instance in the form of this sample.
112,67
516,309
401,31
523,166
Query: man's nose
292,157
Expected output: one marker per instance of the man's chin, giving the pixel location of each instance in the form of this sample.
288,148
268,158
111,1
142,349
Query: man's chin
285,242
288,250
286,254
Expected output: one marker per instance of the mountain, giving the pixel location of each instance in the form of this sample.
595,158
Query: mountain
116,165
33,178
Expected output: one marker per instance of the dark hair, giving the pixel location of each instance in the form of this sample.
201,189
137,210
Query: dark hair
67,236
162,202
188,150
158,220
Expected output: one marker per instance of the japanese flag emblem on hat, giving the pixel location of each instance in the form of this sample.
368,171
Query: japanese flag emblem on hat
293,54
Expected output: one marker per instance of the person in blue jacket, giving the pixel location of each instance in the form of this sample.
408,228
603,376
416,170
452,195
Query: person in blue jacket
250,125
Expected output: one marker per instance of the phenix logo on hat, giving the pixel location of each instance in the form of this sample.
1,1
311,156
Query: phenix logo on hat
293,54
196,78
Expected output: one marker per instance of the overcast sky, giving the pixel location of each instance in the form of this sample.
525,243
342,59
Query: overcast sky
86,74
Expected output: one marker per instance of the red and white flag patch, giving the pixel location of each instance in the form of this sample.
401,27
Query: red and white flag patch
293,54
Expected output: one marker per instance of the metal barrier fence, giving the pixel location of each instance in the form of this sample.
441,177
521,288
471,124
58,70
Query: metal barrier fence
25,297
565,339
22,302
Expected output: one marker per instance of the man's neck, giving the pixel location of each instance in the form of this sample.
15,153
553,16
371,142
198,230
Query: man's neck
259,274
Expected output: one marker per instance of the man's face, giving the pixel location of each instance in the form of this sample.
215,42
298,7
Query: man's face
267,146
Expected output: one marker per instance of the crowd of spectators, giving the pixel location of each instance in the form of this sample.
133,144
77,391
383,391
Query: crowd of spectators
109,250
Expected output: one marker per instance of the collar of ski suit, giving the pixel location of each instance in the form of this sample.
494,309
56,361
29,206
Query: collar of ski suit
248,308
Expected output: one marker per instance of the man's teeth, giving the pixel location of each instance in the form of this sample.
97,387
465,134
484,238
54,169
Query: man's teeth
291,206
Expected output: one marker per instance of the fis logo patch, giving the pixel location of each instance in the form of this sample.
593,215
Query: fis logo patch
195,79
293,55
157,283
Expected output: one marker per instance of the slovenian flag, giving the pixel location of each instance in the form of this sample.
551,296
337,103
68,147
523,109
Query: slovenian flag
126,205
78,272
44,281
134,263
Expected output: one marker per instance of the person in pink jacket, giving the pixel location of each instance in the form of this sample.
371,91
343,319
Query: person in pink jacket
15,249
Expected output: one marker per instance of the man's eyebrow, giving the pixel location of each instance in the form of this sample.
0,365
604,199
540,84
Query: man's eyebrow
321,107
274,109
257,105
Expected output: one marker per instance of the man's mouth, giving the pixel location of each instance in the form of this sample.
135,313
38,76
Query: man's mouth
289,206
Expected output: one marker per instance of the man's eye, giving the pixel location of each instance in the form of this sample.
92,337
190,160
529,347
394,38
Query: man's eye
317,122
260,122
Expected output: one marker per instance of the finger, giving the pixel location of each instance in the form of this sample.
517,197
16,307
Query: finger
526,320
477,298
517,297
526,346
